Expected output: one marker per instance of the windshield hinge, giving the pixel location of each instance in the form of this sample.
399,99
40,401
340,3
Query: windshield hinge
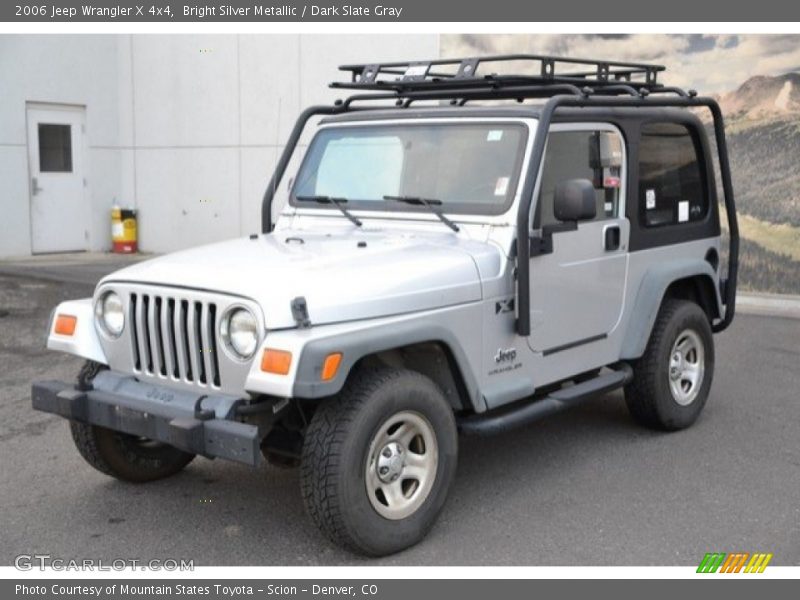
300,312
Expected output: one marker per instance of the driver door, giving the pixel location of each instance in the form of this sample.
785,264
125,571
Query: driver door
577,290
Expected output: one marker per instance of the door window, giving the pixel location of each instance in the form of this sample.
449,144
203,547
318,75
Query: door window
55,148
593,155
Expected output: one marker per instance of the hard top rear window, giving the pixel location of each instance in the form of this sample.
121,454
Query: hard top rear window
672,181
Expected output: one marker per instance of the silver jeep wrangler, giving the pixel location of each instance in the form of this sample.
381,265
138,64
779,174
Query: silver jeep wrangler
457,250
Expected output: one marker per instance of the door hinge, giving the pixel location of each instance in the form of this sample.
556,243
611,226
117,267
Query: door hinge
541,245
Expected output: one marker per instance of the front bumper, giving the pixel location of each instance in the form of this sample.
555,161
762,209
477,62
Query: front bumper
194,422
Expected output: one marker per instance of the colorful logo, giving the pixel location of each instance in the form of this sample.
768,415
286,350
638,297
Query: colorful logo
735,562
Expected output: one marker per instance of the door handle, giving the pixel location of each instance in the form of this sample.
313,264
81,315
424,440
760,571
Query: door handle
611,237
35,189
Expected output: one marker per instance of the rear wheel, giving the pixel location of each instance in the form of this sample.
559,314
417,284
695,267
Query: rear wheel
126,457
378,461
672,379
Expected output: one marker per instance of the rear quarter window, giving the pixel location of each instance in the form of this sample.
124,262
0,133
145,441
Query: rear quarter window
672,182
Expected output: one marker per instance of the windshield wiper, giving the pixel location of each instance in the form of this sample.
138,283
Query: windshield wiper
429,203
337,202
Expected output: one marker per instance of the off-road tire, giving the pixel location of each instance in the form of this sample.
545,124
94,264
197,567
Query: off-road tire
649,398
335,458
120,455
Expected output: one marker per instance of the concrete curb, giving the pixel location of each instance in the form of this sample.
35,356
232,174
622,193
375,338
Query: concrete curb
771,305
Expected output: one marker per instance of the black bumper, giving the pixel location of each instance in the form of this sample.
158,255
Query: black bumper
197,423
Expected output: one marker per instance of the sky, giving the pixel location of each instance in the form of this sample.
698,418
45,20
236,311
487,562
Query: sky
707,63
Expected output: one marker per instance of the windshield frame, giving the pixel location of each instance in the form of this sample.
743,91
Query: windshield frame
378,208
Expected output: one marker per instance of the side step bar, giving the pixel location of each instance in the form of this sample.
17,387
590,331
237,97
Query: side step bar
505,419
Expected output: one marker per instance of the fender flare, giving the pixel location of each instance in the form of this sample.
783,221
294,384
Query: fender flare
358,344
650,295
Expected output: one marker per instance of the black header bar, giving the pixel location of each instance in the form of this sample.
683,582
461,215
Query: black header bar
247,11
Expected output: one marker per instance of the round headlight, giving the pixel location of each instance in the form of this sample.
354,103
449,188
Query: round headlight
240,332
110,314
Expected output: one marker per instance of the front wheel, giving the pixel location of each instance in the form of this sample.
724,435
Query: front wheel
378,461
126,457
672,379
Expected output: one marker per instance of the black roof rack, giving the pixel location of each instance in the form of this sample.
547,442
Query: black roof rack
482,72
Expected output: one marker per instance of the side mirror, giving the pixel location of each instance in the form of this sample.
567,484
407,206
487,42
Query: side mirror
575,200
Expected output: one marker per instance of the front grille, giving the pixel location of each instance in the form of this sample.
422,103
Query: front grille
174,338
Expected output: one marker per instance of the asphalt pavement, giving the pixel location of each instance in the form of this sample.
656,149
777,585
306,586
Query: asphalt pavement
586,487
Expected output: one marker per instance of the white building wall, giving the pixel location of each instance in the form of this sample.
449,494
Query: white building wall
82,70
185,128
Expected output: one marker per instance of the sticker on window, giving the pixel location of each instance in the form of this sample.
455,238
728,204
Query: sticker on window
501,187
495,135
683,211
650,199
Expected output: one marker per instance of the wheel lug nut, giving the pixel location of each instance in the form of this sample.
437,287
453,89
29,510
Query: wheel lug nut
383,470
387,453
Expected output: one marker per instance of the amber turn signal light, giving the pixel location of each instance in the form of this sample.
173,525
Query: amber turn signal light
276,361
65,324
331,366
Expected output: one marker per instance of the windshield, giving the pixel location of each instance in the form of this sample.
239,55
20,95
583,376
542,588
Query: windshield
468,168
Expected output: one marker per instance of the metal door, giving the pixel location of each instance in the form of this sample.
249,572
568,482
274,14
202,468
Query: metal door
59,209
577,290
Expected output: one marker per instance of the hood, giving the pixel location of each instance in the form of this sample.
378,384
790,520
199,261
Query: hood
343,276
